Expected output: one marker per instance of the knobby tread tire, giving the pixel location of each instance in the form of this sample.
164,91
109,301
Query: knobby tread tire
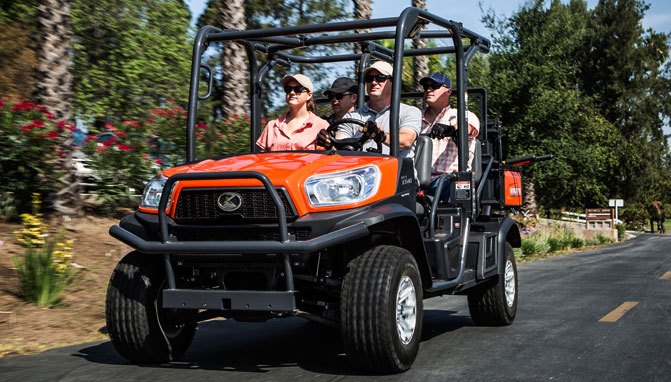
487,302
368,303
132,320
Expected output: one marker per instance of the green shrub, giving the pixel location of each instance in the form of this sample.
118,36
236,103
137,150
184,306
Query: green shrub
621,231
534,245
7,206
44,269
577,242
554,244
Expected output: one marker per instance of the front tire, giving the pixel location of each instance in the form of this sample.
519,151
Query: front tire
494,303
382,309
140,330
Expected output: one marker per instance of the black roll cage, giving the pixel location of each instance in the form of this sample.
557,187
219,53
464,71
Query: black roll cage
275,41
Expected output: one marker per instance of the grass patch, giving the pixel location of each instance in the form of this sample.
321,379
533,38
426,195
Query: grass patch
555,240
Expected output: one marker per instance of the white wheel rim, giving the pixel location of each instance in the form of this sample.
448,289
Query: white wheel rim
510,283
406,310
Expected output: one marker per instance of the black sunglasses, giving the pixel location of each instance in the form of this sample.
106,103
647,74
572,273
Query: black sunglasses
379,78
431,85
338,96
297,89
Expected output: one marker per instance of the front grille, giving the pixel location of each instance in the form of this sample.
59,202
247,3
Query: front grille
200,204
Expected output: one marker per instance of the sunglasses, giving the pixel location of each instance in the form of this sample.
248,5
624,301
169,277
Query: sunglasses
379,78
338,96
431,85
298,89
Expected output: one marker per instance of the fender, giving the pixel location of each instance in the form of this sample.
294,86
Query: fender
509,232
411,239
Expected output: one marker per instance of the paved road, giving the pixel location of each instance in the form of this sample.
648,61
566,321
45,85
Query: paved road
602,315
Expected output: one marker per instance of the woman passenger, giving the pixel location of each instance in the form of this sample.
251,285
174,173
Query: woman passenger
298,129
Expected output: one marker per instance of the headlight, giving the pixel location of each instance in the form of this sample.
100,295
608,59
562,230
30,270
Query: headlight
342,187
151,195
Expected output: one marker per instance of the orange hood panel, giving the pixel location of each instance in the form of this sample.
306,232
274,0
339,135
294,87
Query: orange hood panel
290,170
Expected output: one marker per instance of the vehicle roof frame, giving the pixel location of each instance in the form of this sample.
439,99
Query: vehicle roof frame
407,25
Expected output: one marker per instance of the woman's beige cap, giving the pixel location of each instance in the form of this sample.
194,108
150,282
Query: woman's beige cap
301,79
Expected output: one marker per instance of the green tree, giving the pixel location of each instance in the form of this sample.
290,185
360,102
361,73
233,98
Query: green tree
130,56
17,57
535,92
625,70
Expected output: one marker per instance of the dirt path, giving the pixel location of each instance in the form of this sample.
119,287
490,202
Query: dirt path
25,328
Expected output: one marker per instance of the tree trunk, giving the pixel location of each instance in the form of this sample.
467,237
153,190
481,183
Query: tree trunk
420,63
54,91
54,44
233,60
529,206
363,10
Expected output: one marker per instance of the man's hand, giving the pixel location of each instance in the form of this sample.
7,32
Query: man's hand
374,132
440,131
324,139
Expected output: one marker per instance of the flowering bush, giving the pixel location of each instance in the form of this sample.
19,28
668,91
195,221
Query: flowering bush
32,142
45,269
122,161
120,164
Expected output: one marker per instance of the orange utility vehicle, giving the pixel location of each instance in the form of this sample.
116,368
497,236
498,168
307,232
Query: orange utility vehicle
344,236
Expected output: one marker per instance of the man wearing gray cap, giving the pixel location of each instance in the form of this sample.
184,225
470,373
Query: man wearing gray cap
343,96
378,86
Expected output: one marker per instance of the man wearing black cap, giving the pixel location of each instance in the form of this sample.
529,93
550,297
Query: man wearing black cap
437,90
343,96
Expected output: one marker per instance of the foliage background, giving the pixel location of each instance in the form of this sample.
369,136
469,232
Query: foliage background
590,86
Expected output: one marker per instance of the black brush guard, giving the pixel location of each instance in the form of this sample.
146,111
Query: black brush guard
240,300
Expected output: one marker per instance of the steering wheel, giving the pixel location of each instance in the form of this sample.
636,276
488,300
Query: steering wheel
354,143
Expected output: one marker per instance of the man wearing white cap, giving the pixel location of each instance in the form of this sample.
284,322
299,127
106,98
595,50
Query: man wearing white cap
378,86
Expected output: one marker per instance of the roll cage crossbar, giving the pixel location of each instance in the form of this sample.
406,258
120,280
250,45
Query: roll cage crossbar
275,42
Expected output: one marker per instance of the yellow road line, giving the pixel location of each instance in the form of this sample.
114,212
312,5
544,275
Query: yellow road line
618,312
666,276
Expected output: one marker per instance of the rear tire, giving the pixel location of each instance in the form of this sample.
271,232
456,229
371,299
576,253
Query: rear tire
140,330
381,310
494,303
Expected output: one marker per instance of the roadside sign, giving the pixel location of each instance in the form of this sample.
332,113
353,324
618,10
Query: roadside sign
615,202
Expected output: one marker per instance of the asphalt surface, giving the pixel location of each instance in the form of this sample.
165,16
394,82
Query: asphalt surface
571,326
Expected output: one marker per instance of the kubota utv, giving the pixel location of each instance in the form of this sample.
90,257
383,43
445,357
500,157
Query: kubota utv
344,236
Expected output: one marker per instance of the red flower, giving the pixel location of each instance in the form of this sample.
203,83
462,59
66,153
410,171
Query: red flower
26,128
131,123
158,161
201,126
247,116
91,137
72,128
151,120
122,133
52,134
234,116
37,123
60,125
110,142
23,106
2,103
123,148
49,116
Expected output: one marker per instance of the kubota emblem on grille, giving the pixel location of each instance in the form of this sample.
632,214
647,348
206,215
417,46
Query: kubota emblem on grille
229,201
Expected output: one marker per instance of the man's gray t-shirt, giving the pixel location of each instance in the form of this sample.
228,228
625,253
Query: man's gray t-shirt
410,118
